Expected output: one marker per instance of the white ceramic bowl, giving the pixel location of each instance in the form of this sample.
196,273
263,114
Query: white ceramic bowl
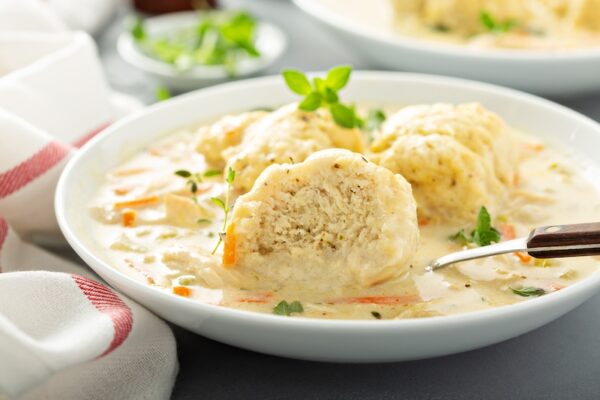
270,41
329,340
550,73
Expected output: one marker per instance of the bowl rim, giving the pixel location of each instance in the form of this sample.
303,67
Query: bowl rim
327,16
130,52
591,283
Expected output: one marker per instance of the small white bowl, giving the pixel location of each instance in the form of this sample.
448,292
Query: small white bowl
552,73
314,339
270,42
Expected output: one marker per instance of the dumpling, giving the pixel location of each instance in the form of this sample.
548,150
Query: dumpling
333,221
226,132
480,130
449,181
286,135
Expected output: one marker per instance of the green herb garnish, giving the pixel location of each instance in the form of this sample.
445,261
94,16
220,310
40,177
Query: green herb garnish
460,237
529,291
493,25
162,93
193,179
225,205
484,233
203,221
375,118
376,314
283,308
137,29
217,39
212,172
323,92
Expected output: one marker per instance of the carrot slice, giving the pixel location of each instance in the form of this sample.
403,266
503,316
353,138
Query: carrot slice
423,221
121,191
129,217
383,300
128,172
508,231
182,291
524,257
141,202
260,298
229,247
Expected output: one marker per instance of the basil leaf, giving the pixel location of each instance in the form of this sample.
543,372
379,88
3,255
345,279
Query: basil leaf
311,102
330,96
297,81
183,173
319,84
343,115
338,77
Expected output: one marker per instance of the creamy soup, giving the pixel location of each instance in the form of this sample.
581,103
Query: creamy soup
509,24
161,227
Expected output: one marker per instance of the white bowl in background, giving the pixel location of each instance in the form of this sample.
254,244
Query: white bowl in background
552,73
270,42
314,339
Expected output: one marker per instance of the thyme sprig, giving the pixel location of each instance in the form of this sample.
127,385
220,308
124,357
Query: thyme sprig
224,205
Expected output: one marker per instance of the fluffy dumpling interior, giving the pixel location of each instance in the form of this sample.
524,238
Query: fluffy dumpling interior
335,220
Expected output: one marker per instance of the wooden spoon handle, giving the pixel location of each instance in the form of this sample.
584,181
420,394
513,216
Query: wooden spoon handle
565,240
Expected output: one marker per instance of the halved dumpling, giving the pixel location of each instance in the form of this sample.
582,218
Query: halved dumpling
333,221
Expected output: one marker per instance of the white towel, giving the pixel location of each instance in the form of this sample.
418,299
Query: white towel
63,333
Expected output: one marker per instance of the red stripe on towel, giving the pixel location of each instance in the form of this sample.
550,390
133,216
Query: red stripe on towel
30,169
87,137
107,302
3,234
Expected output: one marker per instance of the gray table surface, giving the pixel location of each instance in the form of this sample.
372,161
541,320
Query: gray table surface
558,361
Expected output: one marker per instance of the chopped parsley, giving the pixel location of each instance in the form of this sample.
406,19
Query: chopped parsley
285,308
137,29
162,93
493,25
375,117
484,233
376,314
528,291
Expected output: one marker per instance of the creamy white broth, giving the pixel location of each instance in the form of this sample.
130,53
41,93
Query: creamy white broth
399,17
552,190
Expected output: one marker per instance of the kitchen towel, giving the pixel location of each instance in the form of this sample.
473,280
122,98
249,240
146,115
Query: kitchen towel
63,333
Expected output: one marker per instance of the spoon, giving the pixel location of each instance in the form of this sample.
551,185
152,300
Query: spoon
553,241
